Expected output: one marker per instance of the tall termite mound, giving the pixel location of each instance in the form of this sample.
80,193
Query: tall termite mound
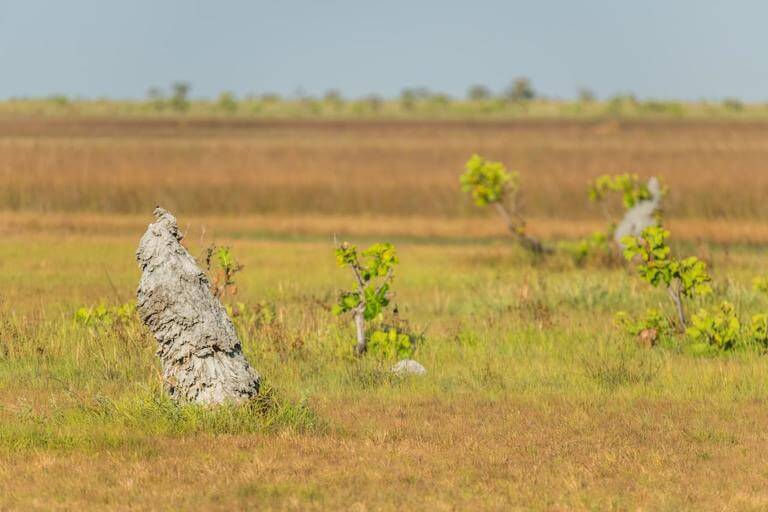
201,355
642,215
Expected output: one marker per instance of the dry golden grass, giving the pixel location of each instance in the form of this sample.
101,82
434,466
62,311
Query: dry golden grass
720,231
715,168
430,455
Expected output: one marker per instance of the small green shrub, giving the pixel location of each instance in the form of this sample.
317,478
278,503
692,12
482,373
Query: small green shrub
657,267
374,271
488,182
650,327
394,341
221,266
595,247
718,327
682,278
491,184
104,316
227,102
760,284
758,331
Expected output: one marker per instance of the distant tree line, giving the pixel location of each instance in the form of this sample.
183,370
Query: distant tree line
518,98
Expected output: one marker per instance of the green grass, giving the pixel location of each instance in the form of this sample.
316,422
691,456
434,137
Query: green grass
508,341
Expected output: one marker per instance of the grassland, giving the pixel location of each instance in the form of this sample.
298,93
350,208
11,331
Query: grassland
533,399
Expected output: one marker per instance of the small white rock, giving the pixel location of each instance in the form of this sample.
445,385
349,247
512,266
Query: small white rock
408,367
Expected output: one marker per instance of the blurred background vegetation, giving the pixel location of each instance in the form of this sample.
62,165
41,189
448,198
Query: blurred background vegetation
519,99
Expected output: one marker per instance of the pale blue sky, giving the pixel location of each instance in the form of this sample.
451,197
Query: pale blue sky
686,49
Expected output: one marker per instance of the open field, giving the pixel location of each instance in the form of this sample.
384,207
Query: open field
714,169
533,400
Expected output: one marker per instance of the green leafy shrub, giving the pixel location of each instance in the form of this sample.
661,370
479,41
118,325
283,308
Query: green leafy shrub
374,271
758,331
104,316
221,266
596,246
490,183
682,278
393,343
649,328
718,327
227,102
760,284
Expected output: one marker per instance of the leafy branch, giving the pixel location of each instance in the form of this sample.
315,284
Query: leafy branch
489,183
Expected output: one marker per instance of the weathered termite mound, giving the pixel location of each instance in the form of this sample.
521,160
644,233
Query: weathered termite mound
642,215
200,353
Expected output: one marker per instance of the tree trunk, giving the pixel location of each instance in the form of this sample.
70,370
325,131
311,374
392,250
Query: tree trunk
527,241
360,329
199,350
674,294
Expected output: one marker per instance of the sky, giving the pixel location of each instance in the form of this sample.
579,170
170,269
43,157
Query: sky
663,49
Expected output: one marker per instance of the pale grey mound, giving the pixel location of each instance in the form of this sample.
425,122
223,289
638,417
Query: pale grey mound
640,216
201,356
408,367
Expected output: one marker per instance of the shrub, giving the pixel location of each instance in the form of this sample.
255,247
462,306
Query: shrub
682,278
221,266
103,315
760,284
478,93
596,246
759,330
373,270
179,100
489,183
393,343
520,90
648,328
227,102
718,327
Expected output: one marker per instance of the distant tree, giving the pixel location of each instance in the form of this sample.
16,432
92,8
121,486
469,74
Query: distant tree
410,96
270,97
407,99
478,93
373,102
156,98
520,90
586,95
180,98
227,102
439,100
59,100
334,98
733,104
622,101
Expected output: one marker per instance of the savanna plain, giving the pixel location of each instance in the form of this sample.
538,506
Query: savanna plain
534,398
